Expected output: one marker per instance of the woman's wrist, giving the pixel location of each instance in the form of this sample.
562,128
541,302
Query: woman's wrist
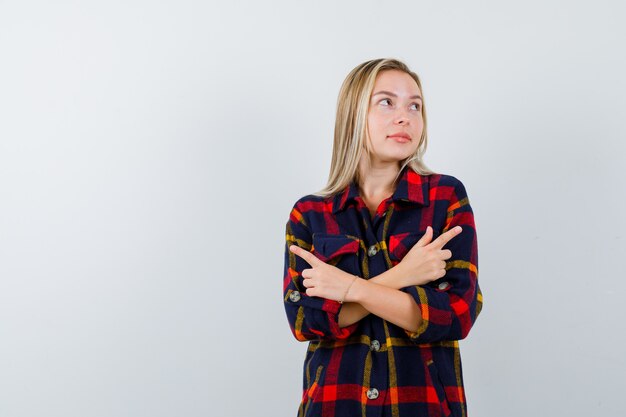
345,294
359,285
391,278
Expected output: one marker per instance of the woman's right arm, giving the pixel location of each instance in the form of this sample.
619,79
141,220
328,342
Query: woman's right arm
353,312
425,262
449,311
310,318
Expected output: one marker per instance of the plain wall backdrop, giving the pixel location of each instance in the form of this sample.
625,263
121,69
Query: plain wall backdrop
150,153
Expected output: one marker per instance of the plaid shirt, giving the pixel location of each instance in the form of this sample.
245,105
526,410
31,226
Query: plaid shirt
374,368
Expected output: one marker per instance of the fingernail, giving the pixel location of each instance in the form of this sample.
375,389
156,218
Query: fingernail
458,228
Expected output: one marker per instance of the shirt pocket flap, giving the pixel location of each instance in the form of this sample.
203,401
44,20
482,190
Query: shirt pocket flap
401,243
327,246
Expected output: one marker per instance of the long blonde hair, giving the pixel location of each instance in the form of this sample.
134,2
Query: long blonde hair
351,125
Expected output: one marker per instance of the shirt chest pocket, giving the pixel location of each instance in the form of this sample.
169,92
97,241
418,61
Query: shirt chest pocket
341,251
399,245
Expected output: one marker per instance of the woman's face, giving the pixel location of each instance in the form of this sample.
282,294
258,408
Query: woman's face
395,111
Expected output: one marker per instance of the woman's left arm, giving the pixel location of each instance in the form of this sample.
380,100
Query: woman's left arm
361,296
353,311
450,309
387,303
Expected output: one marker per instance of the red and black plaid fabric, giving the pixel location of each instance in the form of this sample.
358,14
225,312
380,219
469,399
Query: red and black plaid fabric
374,368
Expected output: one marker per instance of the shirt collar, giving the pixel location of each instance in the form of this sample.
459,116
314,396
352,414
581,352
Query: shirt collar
412,187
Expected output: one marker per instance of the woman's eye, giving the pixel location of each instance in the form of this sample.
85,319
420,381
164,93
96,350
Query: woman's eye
417,106
385,99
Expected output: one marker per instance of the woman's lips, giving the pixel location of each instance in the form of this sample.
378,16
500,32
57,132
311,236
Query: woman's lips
400,138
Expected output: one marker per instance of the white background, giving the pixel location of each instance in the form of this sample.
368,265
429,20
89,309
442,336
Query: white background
151,151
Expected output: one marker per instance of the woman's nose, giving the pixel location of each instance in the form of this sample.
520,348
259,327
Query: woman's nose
401,117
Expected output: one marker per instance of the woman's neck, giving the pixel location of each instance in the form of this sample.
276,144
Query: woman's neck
377,183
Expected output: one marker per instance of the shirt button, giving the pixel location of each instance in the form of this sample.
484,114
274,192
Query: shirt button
372,393
443,285
294,296
372,250
375,345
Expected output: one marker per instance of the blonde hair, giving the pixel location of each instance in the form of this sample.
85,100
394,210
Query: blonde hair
351,125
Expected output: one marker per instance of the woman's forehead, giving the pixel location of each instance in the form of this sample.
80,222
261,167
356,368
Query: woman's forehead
398,83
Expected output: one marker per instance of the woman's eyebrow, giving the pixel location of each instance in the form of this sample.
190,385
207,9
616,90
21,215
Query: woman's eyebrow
389,93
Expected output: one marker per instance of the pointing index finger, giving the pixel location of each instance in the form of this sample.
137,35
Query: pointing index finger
306,255
446,237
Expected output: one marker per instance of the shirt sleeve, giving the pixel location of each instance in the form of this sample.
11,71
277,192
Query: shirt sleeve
450,305
310,318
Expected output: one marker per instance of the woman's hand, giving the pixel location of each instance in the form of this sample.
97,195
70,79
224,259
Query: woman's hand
425,262
323,280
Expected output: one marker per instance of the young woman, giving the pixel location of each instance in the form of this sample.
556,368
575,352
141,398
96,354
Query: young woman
381,266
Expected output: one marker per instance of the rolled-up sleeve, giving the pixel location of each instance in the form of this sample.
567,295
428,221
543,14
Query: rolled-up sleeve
310,318
450,305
